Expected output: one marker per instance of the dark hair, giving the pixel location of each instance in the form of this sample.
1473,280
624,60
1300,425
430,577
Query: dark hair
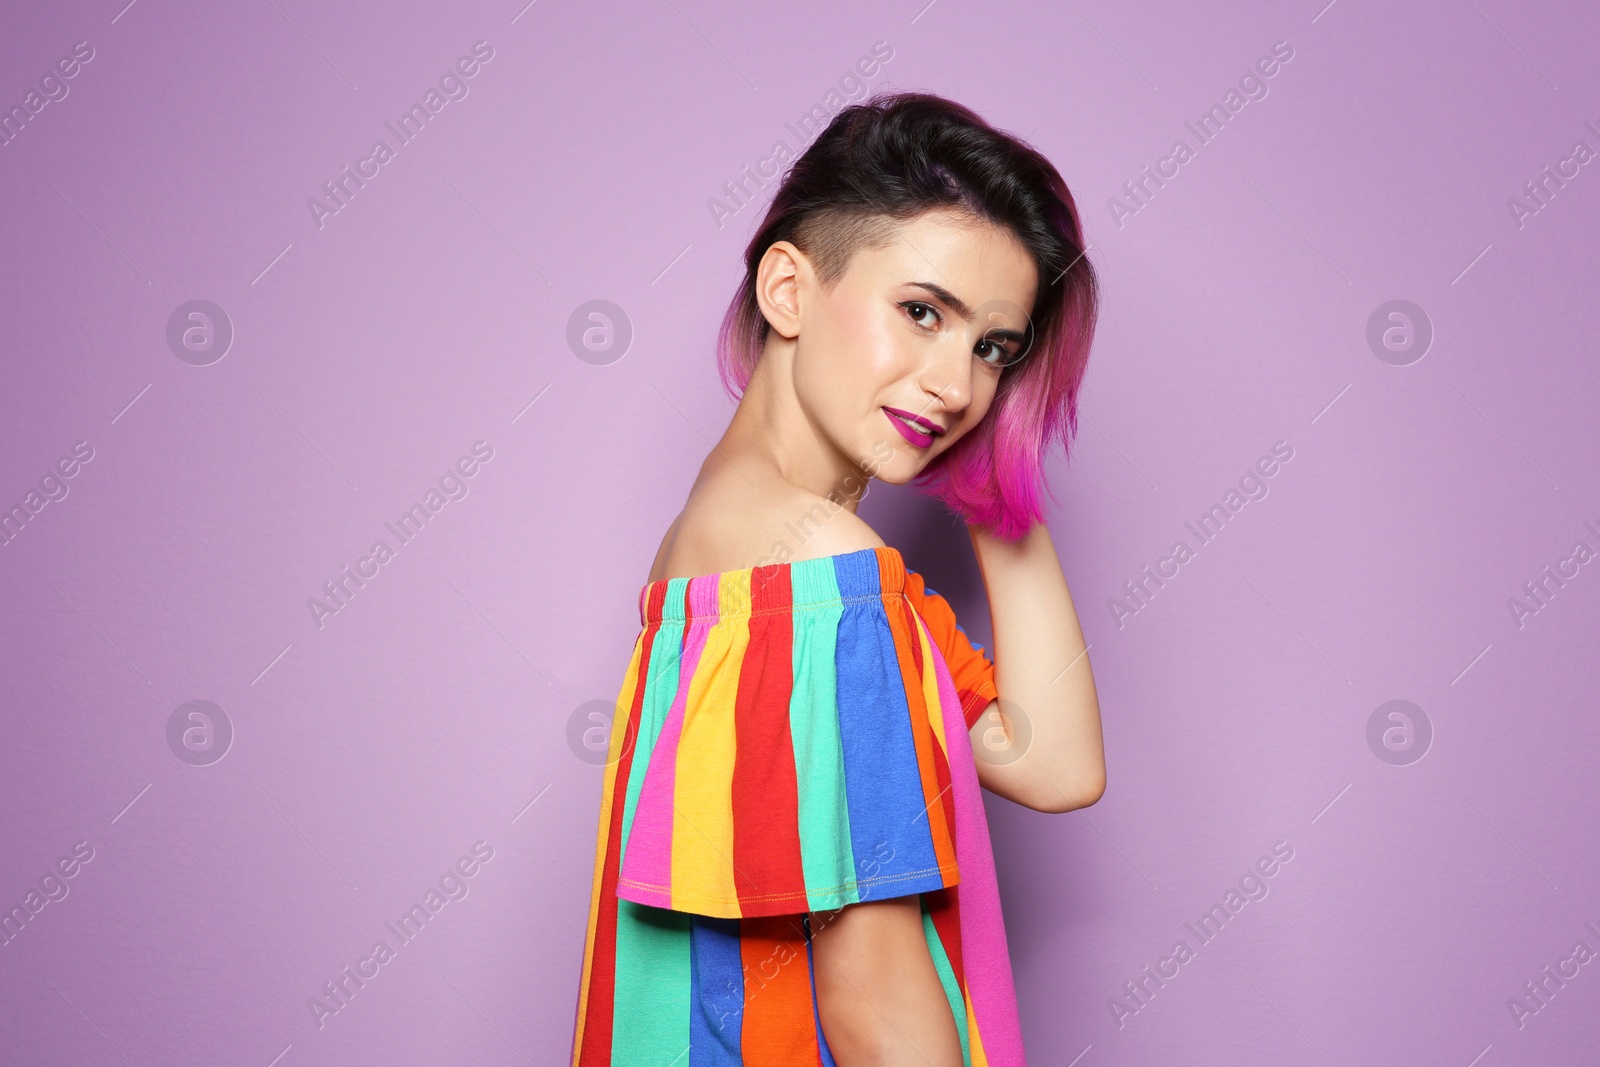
893,157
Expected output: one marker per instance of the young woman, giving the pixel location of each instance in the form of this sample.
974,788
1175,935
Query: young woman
793,864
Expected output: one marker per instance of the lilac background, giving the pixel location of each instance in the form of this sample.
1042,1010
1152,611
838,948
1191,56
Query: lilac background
431,312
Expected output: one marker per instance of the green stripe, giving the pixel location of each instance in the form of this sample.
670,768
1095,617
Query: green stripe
650,1011
654,983
826,857
660,688
947,978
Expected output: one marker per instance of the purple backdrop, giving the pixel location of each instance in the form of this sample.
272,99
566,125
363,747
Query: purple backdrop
1346,359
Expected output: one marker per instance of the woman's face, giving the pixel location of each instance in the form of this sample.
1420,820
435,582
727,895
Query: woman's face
903,356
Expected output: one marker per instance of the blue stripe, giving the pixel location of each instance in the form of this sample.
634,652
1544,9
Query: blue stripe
716,1018
889,832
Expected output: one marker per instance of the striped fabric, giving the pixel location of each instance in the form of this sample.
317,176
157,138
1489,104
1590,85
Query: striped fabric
788,738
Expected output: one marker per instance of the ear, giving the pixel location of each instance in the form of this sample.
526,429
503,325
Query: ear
778,277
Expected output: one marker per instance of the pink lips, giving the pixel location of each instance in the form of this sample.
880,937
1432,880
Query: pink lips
921,440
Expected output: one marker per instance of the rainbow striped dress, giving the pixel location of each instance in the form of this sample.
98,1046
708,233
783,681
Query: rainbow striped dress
788,738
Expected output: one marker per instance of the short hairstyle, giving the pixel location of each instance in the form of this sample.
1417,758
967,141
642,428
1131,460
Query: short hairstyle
891,158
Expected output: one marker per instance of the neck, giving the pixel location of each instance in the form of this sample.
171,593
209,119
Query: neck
770,434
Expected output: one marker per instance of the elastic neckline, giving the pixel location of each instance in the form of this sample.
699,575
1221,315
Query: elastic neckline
875,572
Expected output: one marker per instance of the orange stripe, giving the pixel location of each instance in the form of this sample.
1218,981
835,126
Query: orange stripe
779,1029
908,649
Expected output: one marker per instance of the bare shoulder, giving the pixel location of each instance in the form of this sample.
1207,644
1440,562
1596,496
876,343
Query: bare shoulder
729,524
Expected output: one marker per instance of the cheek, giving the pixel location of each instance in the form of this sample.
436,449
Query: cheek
984,388
828,379
864,339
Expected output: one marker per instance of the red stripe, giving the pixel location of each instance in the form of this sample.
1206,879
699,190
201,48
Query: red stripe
944,908
599,1008
944,905
766,803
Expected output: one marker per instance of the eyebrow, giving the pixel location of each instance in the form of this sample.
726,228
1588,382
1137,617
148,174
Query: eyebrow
960,307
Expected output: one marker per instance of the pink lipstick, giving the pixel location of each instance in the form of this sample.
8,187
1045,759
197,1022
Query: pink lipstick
914,428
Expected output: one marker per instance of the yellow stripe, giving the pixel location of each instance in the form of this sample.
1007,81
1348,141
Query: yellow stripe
974,1039
619,724
942,833
930,685
702,814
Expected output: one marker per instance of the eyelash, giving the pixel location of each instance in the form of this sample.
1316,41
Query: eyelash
907,305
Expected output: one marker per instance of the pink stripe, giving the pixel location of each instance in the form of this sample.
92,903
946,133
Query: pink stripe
648,858
983,933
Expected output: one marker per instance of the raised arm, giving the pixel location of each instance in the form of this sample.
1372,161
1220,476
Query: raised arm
1056,762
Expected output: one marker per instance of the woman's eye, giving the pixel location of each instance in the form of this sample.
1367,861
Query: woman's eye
916,307
994,353
997,355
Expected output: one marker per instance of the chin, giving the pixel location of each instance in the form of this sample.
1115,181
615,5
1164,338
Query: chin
898,469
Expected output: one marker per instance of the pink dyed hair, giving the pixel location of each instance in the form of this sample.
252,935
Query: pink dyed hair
895,156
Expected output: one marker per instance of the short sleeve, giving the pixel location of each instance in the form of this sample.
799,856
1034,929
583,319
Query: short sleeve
787,755
971,670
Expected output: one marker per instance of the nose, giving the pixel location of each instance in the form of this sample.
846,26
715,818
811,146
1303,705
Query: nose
946,376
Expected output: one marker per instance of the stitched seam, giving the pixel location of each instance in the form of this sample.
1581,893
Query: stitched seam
781,610
977,699
864,883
